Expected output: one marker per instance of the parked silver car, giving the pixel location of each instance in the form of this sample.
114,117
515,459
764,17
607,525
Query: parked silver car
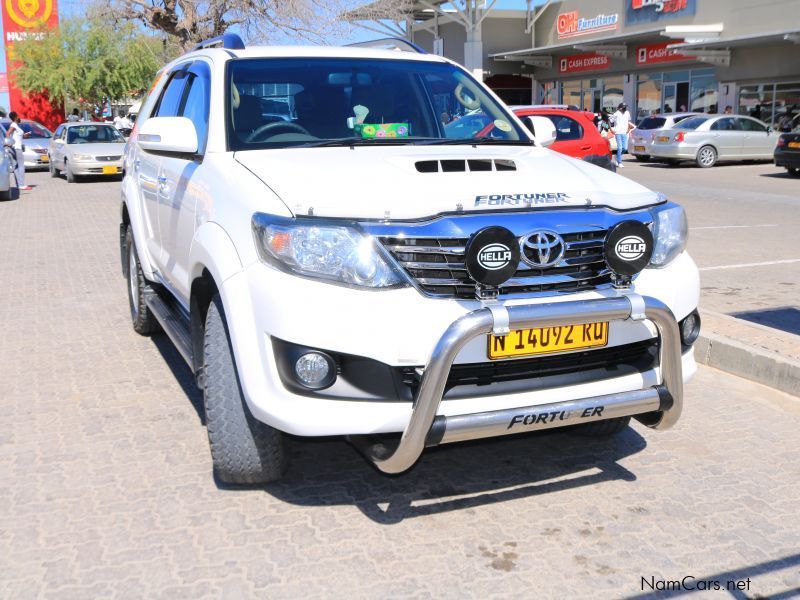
86,149
706,139
645,133
37,141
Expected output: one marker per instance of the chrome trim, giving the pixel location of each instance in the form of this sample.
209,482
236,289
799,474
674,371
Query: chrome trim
650,401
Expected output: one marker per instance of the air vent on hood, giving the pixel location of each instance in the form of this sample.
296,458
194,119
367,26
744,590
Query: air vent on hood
471,165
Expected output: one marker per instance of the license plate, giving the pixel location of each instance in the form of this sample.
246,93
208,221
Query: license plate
548,340
663,138
794,144
638,148
44,158
109,170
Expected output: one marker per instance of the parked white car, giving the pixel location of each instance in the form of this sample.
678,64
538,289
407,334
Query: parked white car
79,149
37,141
708,139
356,272
643,136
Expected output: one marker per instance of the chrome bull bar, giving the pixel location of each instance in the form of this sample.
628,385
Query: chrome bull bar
658,407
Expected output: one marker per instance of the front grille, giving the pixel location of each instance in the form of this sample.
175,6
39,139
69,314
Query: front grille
542,371
437,265
108,158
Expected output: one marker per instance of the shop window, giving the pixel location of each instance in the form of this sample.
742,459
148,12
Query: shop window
612,93
648,96
571,93
703,94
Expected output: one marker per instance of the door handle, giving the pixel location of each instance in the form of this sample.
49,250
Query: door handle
586,147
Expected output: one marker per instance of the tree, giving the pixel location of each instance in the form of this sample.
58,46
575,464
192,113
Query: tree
189,22
90,60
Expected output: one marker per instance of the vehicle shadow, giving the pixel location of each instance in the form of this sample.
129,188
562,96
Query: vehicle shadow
182,373
785,318
325,472
779,175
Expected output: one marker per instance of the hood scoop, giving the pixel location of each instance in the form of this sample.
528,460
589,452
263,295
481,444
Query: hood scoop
465,166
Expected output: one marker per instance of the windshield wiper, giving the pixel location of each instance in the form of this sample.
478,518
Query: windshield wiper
351,141
472,142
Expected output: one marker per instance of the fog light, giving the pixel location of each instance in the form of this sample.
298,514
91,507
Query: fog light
690,329
315,370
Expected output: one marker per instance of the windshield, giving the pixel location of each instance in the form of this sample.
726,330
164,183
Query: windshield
36,130
652,123
94,134
691,123
276,103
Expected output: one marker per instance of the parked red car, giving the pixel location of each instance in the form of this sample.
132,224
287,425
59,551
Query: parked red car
576,133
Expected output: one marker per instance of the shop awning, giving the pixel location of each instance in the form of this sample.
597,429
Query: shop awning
789,36
573,45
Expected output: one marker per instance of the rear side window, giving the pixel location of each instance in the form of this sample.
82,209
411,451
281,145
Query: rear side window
652,123
691,123
726,124
566,129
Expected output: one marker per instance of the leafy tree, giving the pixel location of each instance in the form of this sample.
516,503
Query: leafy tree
90,60
188,22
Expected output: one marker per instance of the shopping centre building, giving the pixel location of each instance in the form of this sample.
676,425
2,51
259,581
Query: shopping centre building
656,55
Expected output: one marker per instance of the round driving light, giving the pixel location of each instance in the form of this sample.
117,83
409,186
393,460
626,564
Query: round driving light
628,247
315,370
690,329
492,255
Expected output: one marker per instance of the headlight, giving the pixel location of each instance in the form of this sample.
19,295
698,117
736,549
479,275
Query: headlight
320,249
84,157
671,232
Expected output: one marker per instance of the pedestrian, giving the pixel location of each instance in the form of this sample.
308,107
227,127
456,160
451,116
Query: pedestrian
728,110
16,134
683,108
75,116
621,123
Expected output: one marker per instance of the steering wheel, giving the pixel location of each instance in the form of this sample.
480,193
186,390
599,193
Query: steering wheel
464,100
271,127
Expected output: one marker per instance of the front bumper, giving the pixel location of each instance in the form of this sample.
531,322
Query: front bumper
658,406
96,167
34,160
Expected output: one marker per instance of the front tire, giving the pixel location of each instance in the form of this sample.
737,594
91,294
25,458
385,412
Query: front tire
144,322
706,157
243,449
68,171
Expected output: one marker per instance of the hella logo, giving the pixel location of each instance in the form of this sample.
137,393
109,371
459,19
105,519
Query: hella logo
630,248
494,256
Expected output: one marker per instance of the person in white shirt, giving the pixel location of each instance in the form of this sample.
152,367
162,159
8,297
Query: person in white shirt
15,135
74,117
621,121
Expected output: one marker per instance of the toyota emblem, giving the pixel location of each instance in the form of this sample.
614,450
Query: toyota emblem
542,248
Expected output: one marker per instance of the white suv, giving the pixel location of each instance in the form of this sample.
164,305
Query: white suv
329,262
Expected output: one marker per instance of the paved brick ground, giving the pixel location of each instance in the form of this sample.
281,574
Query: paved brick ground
106,491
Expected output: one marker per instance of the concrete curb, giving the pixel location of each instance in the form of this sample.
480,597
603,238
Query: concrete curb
747,361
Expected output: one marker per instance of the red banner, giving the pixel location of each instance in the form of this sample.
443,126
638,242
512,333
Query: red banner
23,19
658,53
583,62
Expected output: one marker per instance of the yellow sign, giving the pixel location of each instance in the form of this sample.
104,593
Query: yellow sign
25,13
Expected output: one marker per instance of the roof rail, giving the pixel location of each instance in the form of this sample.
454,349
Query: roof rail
230,41
391,43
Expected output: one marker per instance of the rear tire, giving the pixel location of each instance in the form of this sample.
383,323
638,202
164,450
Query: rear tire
706,157
144,322
243,449
604,428
53,170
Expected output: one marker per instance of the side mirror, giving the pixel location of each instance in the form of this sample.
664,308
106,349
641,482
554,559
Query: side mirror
542,128
168,134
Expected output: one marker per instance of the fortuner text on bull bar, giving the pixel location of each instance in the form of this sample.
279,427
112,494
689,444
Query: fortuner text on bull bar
426,429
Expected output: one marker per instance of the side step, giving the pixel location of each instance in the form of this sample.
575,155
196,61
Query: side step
173,321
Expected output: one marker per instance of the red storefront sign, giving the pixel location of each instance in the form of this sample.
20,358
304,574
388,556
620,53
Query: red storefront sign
23,19
583,62
659,53
667,6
